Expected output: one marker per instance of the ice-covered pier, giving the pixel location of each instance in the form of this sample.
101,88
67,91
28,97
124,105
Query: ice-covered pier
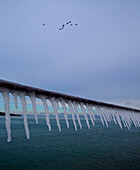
123,116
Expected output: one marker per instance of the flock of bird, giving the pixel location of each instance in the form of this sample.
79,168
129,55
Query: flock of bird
68,23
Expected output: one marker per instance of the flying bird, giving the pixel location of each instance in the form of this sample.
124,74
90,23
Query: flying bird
43,24
64,25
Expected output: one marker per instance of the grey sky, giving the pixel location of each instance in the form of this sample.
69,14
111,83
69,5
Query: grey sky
98,59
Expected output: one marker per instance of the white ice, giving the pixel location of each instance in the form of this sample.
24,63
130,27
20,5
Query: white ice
90,114
54,105
7,114
33,100
103,114
84,113
15,99
65,112
98,111
46,112
24,109
77,114
72,112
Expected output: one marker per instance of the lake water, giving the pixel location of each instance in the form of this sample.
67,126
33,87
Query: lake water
97,148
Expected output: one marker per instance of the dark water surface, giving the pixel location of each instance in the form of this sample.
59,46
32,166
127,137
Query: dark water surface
97,148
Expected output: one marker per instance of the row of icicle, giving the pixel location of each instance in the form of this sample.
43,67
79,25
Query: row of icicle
106,114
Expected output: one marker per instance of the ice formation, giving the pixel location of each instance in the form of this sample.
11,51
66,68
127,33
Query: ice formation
34,107
24,109
122,117
65,113
46,111
72,112
55,108
7,114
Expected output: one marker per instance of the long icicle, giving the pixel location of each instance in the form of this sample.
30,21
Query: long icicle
123,120
107,114
84,113
7,114
76,111
24,109
98,111
118,119
65,112
136,119
73,116
90,114
103,114
91,108
15,99
126,119
32,97
55,112
46,112
57,104
133,120
114,119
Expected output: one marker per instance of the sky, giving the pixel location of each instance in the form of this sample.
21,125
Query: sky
98,59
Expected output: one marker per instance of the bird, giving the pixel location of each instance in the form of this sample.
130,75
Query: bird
43,24
67,23
70,24
60,29
63,25
76,24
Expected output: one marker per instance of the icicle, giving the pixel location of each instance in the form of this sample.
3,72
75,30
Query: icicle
136,119
114,119
46,112
130,119
127,119
133,120
103,114
118,119
7,114
32,97
57,104
15,99
55,112
107,114
90,114
98,110
84,113
123,120
76,111
110,116
73,116
24,108
65,112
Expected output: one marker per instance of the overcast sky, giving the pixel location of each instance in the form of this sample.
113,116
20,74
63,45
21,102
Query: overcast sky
98,59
